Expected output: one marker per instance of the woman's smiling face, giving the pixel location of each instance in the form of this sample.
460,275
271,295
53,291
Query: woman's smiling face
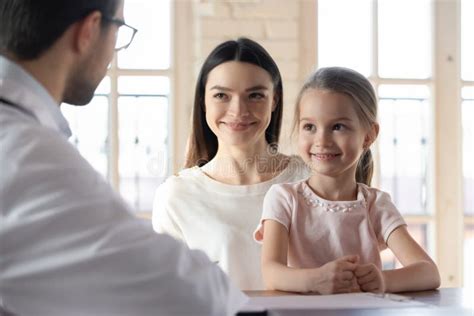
239,100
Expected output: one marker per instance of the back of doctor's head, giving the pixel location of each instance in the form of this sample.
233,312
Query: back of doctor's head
29,27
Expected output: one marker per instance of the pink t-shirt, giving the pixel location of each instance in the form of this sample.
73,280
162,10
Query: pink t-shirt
321,231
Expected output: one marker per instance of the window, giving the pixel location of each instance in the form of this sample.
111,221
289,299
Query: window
143,136
404,49
356,39
89,126
125,131
467,45
468,148
404,115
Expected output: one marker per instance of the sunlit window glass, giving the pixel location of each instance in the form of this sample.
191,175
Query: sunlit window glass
104,87
151,46
469,257
467,39
143,138
468,148
146,85
89,127
404,38
404,145
344,34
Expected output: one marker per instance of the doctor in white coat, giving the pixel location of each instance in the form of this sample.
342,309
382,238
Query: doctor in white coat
68,244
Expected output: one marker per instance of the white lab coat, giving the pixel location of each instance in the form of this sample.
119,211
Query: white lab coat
68,243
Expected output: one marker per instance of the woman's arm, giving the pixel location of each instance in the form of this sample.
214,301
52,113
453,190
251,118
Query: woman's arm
334,277
419,272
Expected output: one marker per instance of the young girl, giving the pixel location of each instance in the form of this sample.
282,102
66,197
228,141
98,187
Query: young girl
324,234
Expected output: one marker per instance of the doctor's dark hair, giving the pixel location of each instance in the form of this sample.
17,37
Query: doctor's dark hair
202,142
30,27
360,90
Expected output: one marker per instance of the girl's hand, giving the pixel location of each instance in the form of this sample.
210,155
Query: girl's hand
370,278
335,277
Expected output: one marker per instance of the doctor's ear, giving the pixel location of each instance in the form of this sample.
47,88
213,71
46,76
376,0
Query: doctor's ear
87,31
371,136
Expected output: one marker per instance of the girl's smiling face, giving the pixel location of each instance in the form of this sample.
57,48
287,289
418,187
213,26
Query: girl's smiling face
331,137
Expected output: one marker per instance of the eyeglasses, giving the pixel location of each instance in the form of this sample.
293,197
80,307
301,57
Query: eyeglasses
125,33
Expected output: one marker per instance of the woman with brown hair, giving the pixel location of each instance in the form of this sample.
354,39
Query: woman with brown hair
232,160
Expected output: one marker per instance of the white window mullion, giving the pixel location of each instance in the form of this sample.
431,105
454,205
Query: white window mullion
398,81
143,72
374,78
375,42
113,172
181,82
448,143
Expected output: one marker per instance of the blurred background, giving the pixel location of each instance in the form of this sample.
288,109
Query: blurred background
419,55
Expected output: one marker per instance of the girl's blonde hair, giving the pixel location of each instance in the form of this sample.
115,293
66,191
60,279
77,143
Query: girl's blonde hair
360,90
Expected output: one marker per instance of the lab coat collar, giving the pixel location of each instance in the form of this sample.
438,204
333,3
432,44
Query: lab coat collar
25,92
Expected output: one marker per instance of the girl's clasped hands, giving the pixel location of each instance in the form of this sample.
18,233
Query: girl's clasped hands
346,275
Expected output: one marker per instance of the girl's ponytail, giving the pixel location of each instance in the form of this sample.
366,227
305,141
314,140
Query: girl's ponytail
365,168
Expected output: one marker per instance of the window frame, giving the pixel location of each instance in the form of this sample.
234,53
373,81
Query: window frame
181,26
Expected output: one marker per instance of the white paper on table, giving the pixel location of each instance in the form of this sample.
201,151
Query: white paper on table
337,301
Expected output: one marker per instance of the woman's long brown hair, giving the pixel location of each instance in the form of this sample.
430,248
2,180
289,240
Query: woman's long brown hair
202,142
